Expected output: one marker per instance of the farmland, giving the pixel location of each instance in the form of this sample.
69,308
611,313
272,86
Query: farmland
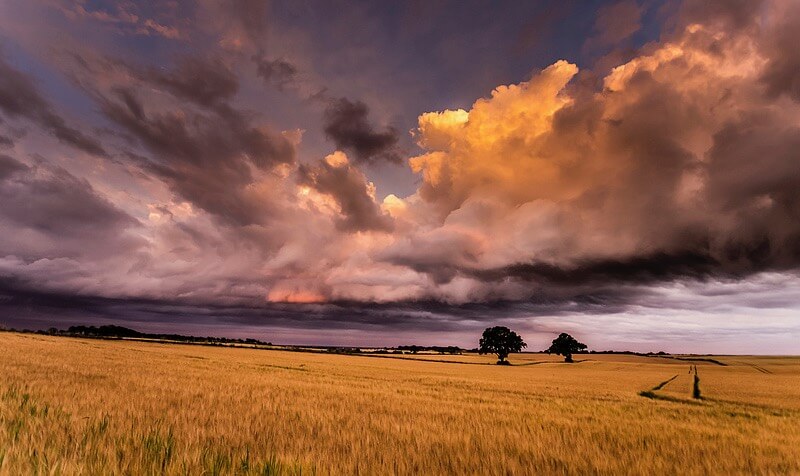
82,406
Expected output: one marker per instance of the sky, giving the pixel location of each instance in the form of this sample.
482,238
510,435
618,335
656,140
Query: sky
387,173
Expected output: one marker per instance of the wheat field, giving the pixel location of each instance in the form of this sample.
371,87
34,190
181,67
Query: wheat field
79,406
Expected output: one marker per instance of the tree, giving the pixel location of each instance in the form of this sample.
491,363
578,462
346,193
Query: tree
565,345
501,341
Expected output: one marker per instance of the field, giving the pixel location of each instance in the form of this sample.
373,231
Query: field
79,406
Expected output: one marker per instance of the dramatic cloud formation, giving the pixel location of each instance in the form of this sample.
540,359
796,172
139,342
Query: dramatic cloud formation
651,195
211,156
662,172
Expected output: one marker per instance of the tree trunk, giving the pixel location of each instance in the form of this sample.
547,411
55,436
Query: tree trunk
568,358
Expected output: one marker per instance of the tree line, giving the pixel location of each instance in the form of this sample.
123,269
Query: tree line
498,340
113,332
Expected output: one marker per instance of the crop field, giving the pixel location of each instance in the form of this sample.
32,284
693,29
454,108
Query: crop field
80,406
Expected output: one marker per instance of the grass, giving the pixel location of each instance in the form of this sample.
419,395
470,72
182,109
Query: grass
74,406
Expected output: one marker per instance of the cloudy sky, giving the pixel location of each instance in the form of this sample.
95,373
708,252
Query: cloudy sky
375,173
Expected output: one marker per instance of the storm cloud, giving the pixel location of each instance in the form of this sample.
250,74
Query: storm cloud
347,124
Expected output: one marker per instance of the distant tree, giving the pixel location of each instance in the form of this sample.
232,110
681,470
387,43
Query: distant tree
501,341
566,345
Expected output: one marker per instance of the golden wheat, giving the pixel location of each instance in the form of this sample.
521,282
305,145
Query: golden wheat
74,406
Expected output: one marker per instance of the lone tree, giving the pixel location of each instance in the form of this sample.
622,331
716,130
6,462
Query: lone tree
501,341
566,345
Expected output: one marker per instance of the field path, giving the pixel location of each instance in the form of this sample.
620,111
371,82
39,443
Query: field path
757,367
696,386
662,384
696,395
701,359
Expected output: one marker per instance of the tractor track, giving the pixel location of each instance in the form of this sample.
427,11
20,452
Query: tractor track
696,394
662,384
757,367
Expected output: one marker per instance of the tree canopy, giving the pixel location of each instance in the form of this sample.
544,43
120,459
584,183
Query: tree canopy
566,345
501,341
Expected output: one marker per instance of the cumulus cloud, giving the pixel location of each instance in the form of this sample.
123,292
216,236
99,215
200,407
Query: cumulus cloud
660,174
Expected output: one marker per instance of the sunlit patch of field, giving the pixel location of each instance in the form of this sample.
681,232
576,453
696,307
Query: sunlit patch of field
769,382
73,406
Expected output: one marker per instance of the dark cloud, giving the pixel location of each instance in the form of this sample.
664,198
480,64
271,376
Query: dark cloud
276,72
24,304
6,141
754,187
606,317
207,82
346,123
19,97
348,187
658,267
583,277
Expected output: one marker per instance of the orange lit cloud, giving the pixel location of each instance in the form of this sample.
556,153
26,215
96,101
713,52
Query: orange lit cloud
555,174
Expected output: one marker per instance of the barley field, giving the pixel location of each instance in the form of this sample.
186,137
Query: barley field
80,406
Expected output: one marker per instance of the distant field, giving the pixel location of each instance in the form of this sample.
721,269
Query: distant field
75,406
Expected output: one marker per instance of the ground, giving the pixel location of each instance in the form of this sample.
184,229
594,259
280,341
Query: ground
80,406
